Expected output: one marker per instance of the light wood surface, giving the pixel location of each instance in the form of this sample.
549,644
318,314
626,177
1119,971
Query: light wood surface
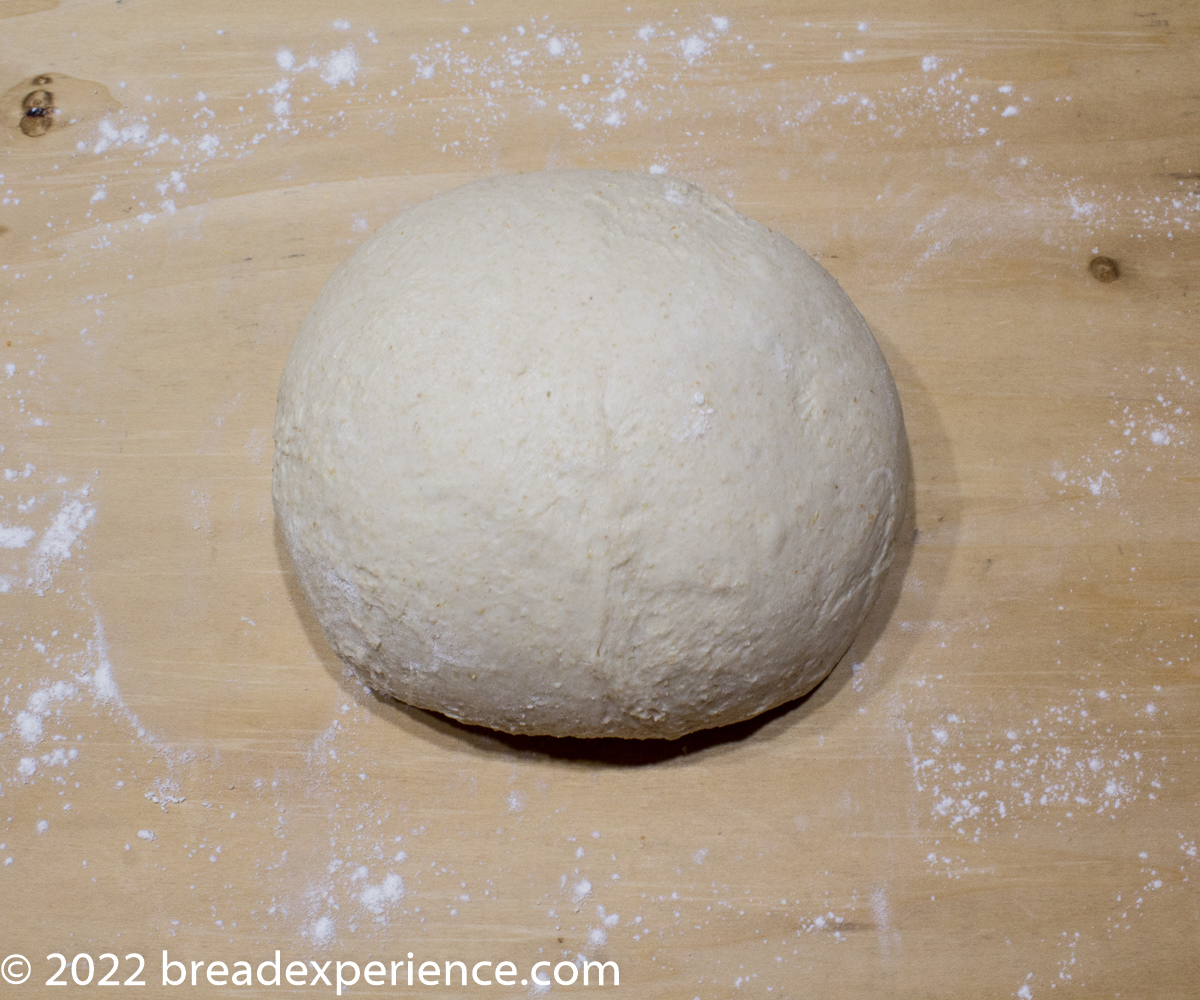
995,792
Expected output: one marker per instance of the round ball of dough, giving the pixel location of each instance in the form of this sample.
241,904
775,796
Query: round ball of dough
587,454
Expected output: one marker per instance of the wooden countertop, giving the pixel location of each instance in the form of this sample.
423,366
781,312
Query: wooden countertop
995,793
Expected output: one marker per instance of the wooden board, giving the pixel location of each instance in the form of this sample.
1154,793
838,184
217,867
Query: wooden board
994,794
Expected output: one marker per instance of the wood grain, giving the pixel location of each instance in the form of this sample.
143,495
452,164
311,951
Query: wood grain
995,791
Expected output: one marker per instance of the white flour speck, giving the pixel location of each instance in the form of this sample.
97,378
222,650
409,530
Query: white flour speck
15,538
377,898
321,930
693,47
341,66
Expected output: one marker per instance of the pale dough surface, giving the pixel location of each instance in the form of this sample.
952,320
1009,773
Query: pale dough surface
587,453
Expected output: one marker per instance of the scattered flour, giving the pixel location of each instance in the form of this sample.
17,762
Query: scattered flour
72,518
1141,436
1054,765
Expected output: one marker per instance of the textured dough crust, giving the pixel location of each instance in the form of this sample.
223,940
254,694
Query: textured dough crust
587,454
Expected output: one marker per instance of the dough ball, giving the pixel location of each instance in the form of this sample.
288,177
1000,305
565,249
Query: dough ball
587,454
